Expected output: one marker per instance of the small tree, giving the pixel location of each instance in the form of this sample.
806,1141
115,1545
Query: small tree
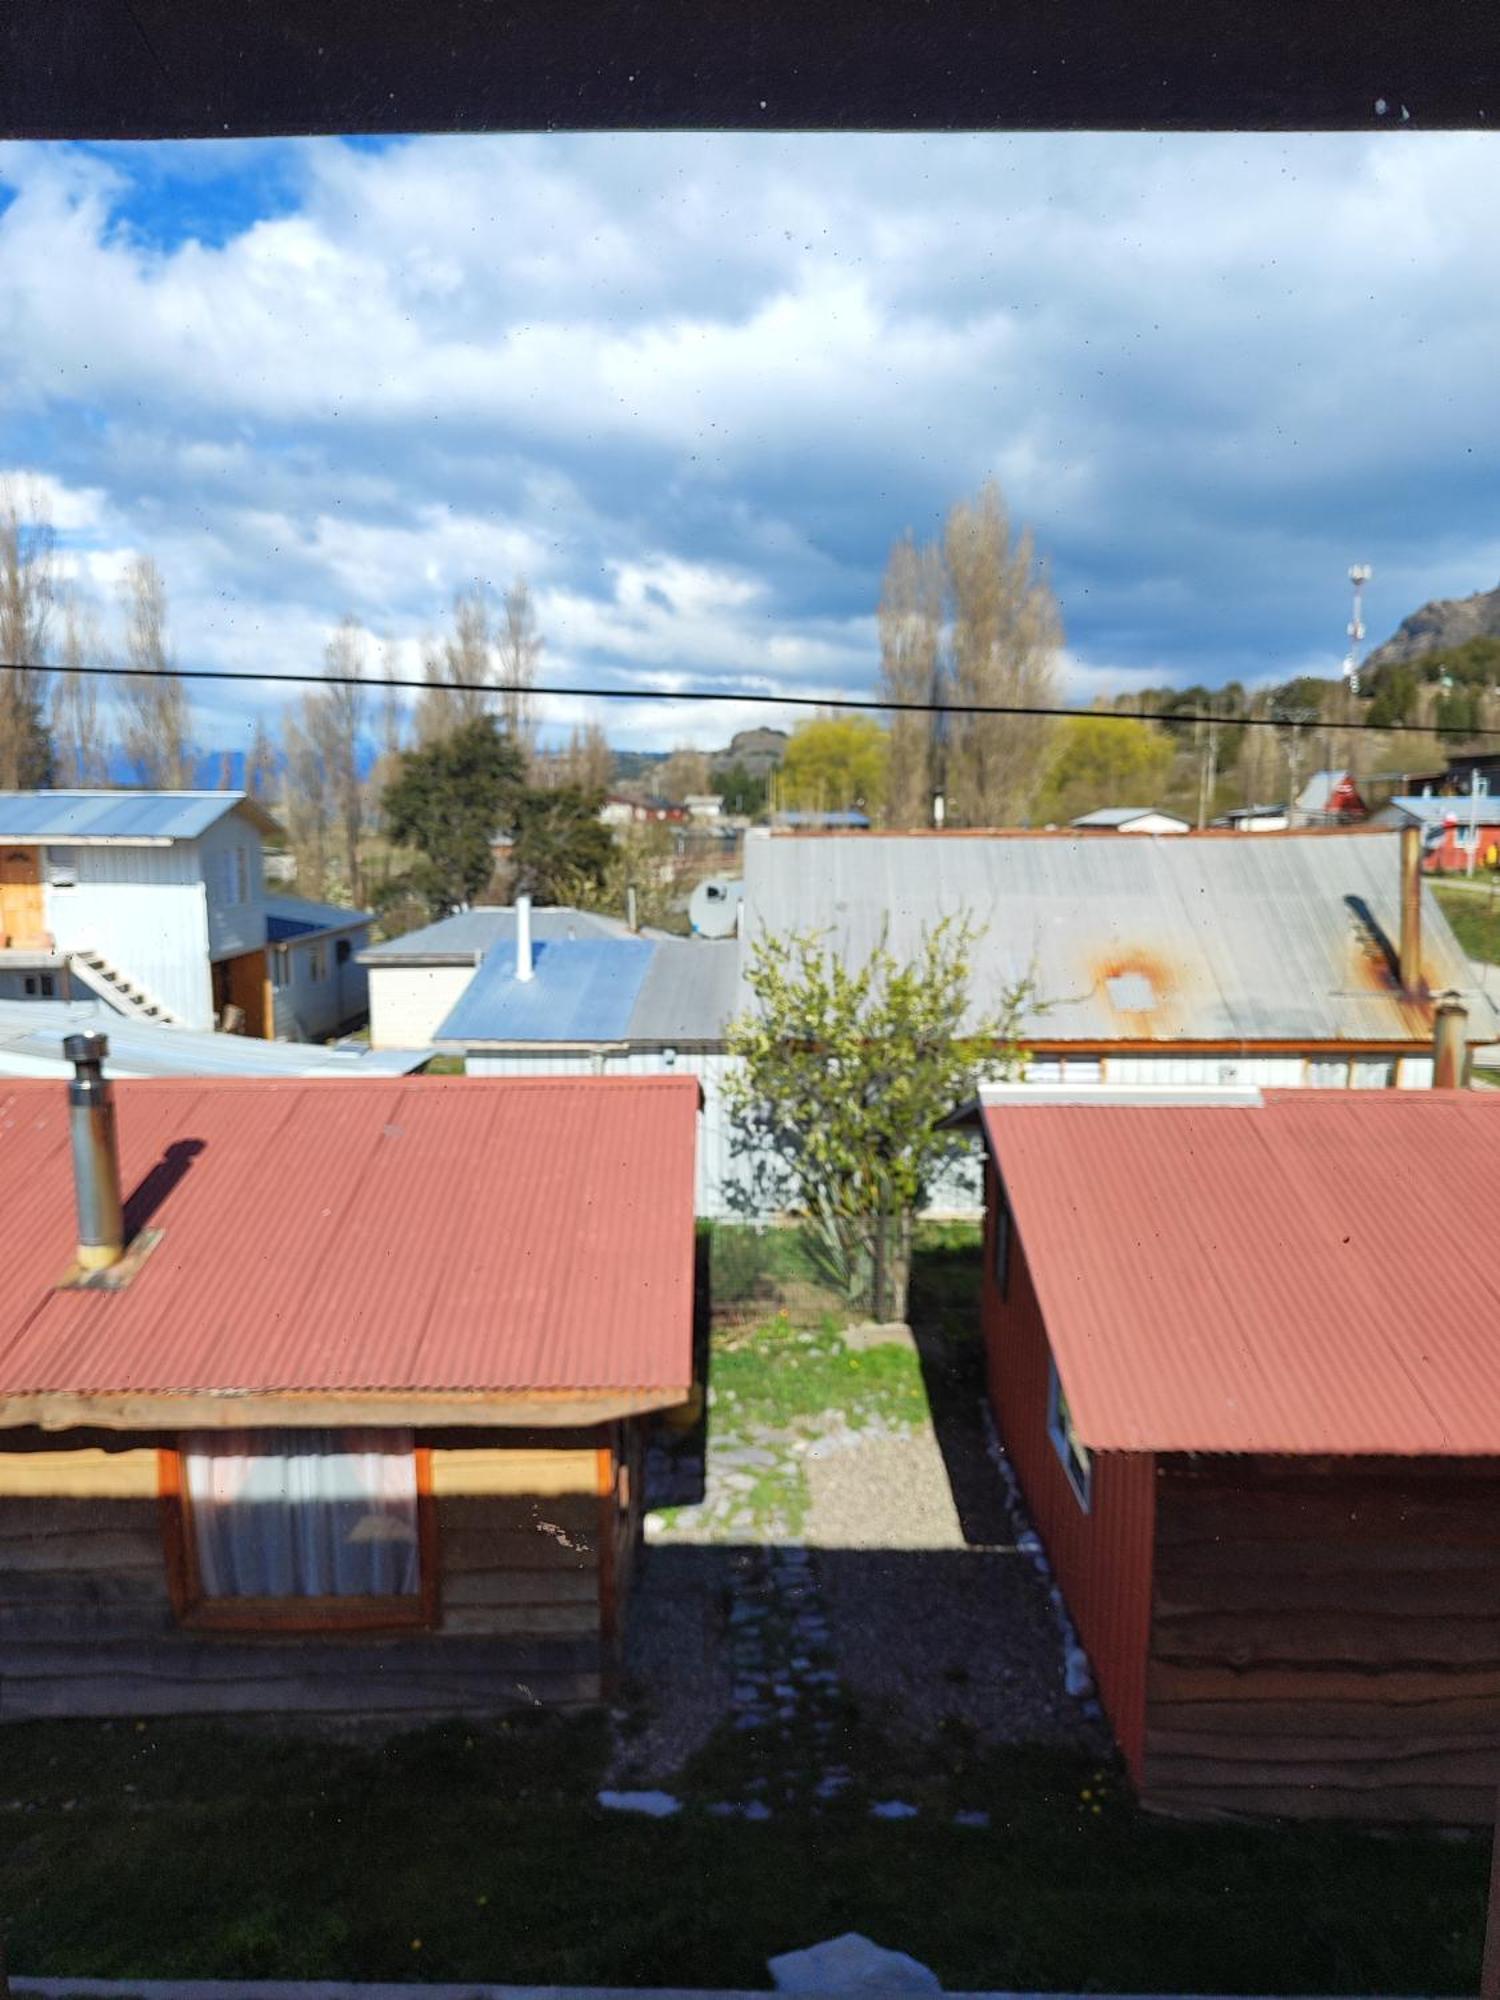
846,1074
562,853
447,802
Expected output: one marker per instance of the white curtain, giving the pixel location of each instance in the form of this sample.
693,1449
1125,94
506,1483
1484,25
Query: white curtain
303,1513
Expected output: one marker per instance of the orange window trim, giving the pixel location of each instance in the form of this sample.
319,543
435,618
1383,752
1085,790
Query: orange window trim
200,1613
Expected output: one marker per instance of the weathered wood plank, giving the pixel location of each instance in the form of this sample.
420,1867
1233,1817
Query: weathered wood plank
1168,1680
1332,1637
1450,1805
1435,1592
483,1470
1207,1562
521,1620
473,1589
1343,1753
85,1473
1359,1720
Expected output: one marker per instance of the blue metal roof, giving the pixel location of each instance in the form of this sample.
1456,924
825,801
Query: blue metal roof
581,990
124,816
465,938
1481,809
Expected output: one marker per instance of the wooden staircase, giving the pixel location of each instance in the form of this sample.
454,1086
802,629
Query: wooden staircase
118,991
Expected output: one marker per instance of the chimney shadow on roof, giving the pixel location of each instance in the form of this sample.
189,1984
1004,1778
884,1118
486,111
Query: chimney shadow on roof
1378,950
148,1194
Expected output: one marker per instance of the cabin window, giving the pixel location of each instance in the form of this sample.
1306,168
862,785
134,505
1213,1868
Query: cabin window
300,1529
232,868
1001,1246
317,962
1074,1456
40,985
341,952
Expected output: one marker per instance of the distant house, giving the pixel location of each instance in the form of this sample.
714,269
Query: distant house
622,810
318,986
1131,819
153,901
352,1426
1457,833
1154,959
415,980
847,821
1238,1357
703,805
1329,798
610,1006
1255,819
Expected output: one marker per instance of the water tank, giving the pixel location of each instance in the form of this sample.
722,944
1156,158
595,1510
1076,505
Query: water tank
714,907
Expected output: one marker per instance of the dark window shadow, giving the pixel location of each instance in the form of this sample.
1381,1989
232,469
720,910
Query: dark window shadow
148,1194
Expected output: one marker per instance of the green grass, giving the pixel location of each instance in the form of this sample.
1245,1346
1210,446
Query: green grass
179,1850
778,1375
1475,919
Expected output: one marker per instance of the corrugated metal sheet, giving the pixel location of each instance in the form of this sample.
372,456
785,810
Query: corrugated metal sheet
1304,1275
689,993
295,916
421,1234
1464,808
32,1031
124,816
581,990
1278,938
1103,1555
465,938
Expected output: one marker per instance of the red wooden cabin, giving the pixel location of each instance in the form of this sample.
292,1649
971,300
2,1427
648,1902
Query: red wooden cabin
1243,1358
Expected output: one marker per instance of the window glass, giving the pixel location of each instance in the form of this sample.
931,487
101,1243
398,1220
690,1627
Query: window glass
1074,1455
302,1513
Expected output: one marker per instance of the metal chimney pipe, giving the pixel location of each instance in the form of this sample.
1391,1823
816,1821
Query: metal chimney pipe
1450,1046
523,937
96,1156
1411,909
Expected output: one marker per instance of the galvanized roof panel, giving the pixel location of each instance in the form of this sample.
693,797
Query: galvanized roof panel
141,817
464,938
32,1031
689,993
1238,938
423,1234
580,990
1295,1276
296,916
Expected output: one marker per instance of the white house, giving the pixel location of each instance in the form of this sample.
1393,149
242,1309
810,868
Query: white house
415,981
1131,819
318,985
153,902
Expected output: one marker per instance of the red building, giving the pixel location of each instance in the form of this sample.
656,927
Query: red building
1253,1404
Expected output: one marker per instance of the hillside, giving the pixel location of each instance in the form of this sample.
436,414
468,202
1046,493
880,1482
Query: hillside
1445,623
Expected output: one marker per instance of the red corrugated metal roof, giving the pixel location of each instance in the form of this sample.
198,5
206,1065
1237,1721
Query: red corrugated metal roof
1311,1274
418,1233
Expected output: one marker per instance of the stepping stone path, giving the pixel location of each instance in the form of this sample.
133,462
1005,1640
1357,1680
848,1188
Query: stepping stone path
785,1689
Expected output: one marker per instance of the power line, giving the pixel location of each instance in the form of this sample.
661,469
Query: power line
871,703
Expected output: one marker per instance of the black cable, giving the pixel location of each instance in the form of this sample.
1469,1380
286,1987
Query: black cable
868,702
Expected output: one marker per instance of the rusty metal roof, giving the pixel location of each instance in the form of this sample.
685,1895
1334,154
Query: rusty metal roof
1302,1276
419,1234
1174,939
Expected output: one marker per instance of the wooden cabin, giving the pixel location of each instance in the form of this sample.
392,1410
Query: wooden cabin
350,1422
1242,1356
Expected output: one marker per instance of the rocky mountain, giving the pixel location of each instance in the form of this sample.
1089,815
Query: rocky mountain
1438,626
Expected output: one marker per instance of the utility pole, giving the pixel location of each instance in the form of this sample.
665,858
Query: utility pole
1208,771
1359,576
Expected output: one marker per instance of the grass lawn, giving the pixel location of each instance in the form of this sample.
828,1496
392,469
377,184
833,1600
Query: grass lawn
180,1850
1475,917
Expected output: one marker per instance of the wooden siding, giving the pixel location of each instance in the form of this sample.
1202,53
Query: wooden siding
86,1619
1101,1557
1325,1639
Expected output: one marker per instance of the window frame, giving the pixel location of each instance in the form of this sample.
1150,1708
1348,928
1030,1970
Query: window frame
195,1611
1076,1459
1002,1237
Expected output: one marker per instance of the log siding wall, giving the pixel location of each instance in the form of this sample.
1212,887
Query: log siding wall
1102,1556
1325,1639
87,1626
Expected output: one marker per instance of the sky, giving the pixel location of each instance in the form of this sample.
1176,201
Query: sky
692,387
